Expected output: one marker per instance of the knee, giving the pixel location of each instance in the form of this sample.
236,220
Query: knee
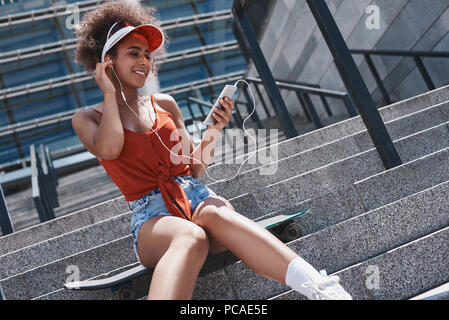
212,217
195,240
207,216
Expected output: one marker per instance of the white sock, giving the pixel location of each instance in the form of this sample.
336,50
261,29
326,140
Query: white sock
298,272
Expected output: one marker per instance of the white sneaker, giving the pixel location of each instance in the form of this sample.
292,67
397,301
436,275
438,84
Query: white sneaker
327,288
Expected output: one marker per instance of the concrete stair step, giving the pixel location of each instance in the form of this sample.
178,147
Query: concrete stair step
400,127
62,225
353,125
404,272
75,192
319,214
347,245
346,170
256,209
326,210
303,142
442,111
438,293
375,238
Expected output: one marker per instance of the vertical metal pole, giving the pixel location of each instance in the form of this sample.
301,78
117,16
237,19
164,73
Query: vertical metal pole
349,105
255,116
354,83
5,218
239,115
193,116
310,108
262,100
424,73
51,166
304,107
35,186
2,295
376,76
244,27
52,192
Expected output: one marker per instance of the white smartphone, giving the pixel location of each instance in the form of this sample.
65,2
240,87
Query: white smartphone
228,91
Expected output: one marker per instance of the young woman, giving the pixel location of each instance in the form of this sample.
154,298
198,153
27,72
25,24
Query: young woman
177,221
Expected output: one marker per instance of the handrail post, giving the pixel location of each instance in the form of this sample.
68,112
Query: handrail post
5,218
255,116
189,107
243,26
262,100
349,105
305,98
304,107
54,176
238,115
354,83
2,295
325,104
424,73
52,192
35,186
376,76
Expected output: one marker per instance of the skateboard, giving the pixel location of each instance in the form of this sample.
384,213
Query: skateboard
282,226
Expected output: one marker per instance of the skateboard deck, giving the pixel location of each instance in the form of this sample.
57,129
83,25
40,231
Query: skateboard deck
281,226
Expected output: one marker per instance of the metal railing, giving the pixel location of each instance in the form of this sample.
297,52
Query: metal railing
303,93
5,218
43,183
344,62
237,116
2,295
204,104
416,55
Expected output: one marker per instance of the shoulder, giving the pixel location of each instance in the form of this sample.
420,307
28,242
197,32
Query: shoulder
168,103
90,113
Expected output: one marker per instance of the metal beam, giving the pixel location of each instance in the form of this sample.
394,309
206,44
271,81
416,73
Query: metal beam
67,60
70,44
218,80
354,83
73,78
5,219
243,26
67,115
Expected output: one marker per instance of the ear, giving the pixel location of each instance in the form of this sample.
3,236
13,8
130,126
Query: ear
108,57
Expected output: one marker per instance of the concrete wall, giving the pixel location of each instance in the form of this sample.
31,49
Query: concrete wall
295,49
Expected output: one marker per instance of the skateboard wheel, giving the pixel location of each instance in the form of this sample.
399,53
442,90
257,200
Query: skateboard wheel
126,293
291,232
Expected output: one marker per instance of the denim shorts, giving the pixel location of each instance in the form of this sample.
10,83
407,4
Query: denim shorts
152,205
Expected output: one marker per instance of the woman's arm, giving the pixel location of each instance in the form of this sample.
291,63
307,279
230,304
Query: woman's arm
204,152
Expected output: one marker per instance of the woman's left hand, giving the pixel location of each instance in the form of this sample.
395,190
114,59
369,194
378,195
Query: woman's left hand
222,116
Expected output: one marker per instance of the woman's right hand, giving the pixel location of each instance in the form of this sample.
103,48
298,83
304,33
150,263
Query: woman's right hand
103,79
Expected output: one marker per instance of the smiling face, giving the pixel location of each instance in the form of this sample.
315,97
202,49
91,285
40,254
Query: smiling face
133,61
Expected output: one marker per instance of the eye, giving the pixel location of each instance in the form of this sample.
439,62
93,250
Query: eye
135,54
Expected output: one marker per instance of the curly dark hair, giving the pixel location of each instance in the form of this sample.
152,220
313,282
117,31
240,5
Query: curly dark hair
93,28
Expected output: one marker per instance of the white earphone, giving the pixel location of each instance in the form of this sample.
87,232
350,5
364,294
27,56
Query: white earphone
178,155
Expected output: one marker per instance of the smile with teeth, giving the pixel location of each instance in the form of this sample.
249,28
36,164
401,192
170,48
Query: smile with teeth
140,73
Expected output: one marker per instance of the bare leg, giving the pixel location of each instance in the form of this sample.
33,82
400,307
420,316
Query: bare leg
256,247
176,249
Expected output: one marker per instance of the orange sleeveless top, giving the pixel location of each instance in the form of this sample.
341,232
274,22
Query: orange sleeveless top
145,164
